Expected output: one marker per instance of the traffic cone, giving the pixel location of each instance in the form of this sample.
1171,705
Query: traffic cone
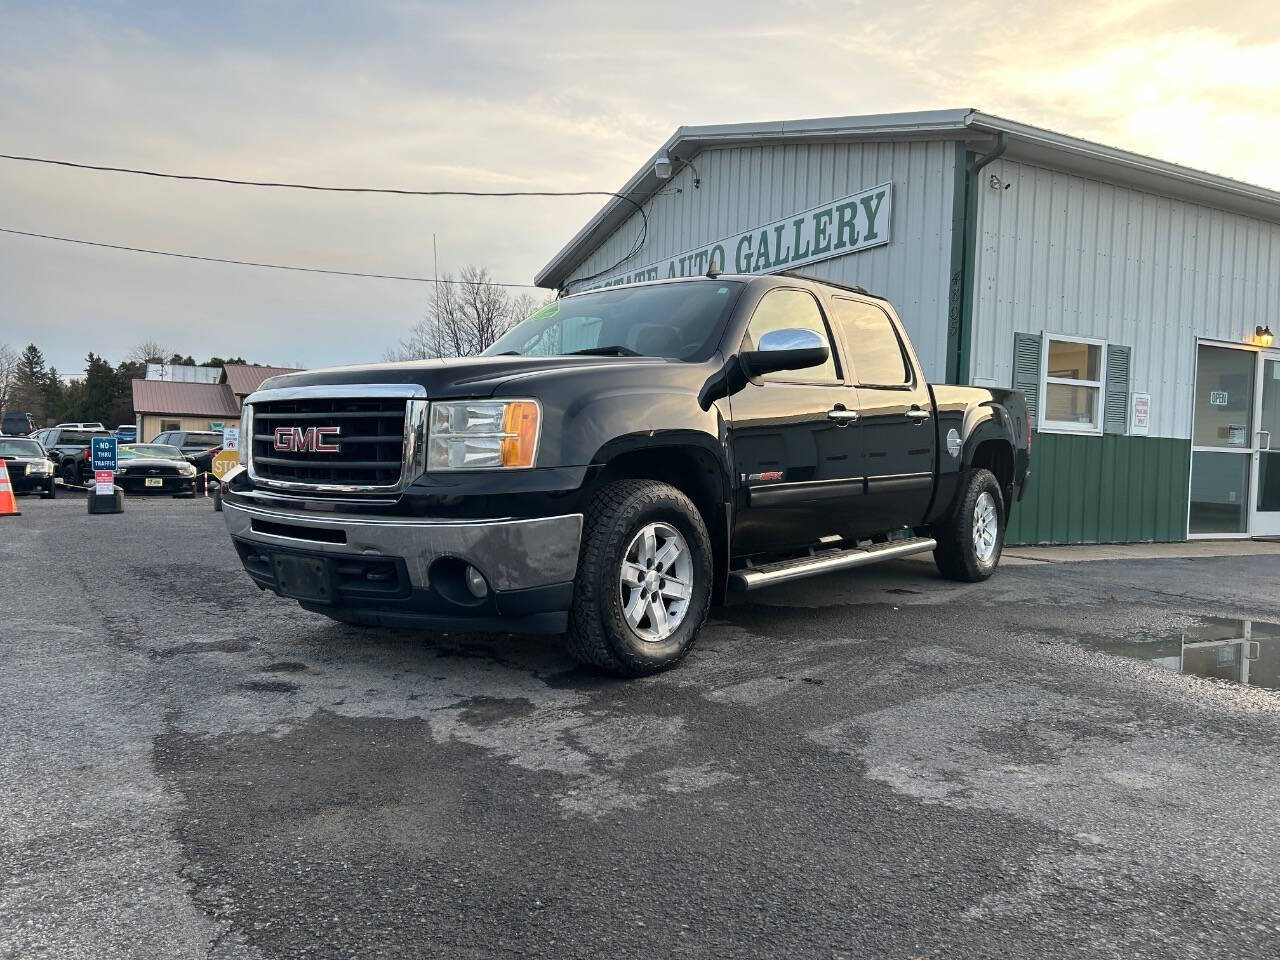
8,502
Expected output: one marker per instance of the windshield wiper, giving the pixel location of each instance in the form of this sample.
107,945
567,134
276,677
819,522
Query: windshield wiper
617,350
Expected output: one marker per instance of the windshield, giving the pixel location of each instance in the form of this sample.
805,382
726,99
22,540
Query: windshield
20,448
150,450
675,320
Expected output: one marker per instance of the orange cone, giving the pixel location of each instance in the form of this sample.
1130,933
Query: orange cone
8,502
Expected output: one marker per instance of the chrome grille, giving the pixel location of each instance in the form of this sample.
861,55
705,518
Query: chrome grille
377,437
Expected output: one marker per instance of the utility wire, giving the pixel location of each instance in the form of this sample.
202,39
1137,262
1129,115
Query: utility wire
635,248
248,263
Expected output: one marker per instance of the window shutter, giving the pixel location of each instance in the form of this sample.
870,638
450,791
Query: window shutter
1026,371
1115,410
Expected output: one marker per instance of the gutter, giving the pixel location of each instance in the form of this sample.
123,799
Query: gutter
963,254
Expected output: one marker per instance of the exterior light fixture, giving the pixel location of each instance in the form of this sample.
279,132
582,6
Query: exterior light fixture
662,166
1263,337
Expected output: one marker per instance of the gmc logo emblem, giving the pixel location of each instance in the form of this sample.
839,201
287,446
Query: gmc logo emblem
310,440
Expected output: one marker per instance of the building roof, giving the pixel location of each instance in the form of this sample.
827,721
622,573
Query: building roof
246,378
184,399
980,130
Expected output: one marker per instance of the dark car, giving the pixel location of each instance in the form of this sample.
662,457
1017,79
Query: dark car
69,449
15,424
154,468
617,463
198,446
29,467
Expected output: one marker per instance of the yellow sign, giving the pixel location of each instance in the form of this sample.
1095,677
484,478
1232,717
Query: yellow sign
225,462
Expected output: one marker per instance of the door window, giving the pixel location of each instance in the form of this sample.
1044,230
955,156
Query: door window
791,310
1221,456
875,352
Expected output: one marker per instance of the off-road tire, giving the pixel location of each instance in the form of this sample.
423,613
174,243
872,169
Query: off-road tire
70,474
956,554
599,634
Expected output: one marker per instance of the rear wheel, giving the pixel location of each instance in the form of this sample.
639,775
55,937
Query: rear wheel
644,579
971,540
70,473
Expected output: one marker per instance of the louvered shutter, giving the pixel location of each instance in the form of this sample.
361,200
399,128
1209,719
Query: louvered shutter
1026,371
1115,410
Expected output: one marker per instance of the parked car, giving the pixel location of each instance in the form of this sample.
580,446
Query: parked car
618,462
81,426
126,433
198,446
29,467
154,468
15,424
69,449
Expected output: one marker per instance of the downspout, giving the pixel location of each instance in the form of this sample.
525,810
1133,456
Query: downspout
960,321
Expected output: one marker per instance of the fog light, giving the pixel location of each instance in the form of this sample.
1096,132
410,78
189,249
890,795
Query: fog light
476,584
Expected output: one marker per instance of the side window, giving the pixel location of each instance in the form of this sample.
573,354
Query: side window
790,310
876,354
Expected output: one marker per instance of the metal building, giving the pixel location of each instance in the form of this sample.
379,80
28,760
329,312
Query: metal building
1132,300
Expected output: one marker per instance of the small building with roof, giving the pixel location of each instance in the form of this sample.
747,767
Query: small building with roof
163,405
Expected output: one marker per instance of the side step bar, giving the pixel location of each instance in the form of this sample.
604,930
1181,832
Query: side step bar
753,578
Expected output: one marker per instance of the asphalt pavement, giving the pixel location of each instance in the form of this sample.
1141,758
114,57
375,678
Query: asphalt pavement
870,764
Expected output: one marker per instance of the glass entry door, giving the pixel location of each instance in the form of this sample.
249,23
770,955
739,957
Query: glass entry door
1222,442
1265,513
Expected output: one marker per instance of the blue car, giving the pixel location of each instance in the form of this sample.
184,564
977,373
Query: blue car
127,433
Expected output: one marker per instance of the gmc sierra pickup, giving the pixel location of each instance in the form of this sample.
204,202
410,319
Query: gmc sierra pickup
618,462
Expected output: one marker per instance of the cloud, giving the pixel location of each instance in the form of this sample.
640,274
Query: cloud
504,95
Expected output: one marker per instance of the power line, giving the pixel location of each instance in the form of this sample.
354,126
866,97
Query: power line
248,263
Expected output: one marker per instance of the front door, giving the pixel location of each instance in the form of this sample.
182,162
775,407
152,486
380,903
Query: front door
794,436
1265,511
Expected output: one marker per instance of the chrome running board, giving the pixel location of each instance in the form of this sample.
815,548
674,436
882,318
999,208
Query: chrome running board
753,578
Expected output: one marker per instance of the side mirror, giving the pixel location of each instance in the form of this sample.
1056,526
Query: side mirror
787,349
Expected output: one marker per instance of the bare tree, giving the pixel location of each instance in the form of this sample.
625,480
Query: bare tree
8,373
149,351
469,316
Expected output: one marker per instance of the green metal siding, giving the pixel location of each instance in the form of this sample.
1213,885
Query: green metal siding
1108,489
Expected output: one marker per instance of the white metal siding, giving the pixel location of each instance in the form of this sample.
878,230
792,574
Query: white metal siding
1064,254
745,187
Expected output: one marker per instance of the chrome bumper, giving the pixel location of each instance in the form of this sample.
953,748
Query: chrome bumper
513,554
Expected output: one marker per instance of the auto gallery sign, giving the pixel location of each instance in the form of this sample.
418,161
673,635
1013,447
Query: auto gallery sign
848,225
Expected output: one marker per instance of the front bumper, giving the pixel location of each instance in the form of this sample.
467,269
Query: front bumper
170,485
404,571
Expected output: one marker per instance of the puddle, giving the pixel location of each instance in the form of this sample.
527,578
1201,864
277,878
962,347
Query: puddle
1237,651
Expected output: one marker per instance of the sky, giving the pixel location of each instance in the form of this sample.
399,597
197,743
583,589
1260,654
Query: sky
521,95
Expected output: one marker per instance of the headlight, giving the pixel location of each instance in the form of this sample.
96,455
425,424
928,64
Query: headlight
483,434
186,470
246,434
40,468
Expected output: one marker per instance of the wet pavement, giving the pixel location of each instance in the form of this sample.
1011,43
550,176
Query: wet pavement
1071,760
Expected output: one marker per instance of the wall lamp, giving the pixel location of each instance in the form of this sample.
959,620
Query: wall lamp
1263,337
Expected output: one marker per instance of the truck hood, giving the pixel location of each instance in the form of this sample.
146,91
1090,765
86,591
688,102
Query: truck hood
460,377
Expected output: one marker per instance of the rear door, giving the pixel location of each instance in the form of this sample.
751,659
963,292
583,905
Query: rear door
898,432
794,438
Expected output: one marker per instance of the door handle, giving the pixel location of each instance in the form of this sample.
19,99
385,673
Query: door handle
918,415
843,416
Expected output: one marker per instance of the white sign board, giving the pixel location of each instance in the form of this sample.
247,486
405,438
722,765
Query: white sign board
230,438
1140,417
856,222
1217,398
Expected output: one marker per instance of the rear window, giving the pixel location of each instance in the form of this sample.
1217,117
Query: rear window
202,440
72,437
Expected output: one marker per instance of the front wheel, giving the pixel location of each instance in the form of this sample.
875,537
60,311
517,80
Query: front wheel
49,491
70,474
971,539
643,585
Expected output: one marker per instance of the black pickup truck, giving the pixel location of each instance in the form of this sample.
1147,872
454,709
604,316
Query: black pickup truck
619,462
